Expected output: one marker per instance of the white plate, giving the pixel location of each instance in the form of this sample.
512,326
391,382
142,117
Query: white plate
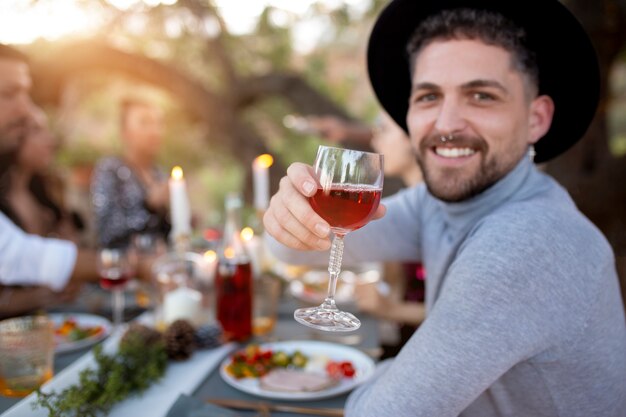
363,365
312,286
83,320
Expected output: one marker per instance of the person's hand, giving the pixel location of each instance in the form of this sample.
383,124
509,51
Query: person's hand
290,218
68,294
370,300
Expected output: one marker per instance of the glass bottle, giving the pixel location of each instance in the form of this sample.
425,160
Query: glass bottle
233,280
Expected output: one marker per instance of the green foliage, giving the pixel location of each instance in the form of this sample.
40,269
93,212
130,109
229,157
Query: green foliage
129,372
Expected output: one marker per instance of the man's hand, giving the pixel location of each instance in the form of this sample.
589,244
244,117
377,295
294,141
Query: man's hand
290,218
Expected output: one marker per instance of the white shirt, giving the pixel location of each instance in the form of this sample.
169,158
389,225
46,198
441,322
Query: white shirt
27,259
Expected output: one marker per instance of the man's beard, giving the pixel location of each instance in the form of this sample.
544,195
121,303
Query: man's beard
452,185
12,134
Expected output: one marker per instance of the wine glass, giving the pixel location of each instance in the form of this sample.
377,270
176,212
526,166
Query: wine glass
349,188
115,267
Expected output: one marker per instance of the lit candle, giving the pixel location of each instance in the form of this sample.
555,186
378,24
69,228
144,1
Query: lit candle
210,264
179,205
183,303
253,247
261,181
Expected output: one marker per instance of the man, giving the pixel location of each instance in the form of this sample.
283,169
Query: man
28,259
524,315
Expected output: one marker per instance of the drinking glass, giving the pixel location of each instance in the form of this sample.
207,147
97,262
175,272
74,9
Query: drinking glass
26,354
349,188
115,268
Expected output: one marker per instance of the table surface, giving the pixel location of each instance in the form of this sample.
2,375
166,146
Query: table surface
366,339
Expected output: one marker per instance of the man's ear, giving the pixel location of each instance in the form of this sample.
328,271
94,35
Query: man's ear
540,117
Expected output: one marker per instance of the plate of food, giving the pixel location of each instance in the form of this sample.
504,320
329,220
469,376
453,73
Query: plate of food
297,370
73,331
312,286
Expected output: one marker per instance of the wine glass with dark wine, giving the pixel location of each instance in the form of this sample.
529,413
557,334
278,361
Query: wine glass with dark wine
348,193
115,268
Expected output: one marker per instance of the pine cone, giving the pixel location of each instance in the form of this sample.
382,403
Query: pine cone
140,334
180,340
208,336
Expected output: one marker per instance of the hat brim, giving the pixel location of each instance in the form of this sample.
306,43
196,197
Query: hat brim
567,61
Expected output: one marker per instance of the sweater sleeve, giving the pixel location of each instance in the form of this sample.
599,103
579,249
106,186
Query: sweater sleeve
394,237
32,260
506,280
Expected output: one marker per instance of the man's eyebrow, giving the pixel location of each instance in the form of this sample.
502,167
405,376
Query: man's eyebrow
484,83
424,86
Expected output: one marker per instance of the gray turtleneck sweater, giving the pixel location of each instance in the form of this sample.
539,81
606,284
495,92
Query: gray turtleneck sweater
525,316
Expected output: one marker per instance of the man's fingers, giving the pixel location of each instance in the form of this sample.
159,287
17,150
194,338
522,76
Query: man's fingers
380,212
301,176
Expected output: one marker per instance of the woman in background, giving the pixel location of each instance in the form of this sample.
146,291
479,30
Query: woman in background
130,193
32,194
28,198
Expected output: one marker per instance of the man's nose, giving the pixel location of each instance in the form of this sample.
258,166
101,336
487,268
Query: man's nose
450,118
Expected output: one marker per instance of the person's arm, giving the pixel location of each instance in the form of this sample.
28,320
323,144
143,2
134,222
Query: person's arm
503,302
338,130
21,300
33,260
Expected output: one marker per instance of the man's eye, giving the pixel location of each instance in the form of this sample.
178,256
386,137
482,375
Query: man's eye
483,97
424,98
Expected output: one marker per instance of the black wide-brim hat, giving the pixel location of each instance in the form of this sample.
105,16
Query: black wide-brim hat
567,61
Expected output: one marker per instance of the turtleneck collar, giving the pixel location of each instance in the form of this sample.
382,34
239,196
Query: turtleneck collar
461,213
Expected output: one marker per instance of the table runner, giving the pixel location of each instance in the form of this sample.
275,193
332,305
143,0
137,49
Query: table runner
180,378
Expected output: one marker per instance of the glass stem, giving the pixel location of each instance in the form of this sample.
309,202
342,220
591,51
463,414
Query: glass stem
118,308
334,268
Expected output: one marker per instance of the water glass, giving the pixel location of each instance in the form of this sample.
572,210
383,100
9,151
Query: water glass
26,354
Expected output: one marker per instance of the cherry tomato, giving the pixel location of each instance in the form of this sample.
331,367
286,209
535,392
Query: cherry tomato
348,369
333,369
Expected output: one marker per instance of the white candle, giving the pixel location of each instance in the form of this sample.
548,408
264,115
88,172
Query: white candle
253,247
261,181
180,211
183,303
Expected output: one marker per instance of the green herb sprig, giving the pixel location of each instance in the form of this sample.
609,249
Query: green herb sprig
128,372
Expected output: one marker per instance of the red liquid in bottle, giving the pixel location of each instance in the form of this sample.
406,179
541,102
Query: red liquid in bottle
233,288
114,281
346,207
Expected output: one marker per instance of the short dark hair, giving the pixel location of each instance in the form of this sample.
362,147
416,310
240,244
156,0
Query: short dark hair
8,52
489,27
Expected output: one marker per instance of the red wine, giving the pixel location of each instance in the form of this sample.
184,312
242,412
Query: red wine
233,292
346,207
114,280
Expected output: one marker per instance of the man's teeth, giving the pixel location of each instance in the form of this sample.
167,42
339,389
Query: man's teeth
454,152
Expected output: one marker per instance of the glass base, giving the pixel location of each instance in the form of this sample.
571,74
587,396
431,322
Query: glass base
327,319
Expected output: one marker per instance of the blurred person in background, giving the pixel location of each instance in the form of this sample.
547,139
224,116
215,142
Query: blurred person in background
50,264
29,203
31,191
130,193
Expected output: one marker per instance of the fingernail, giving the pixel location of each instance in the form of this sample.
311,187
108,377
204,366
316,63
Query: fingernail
308,187
322,229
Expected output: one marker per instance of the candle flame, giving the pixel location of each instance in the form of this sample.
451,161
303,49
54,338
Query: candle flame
210,256
264,161
247,234
177,173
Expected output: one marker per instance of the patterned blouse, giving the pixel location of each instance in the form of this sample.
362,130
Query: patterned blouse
118,198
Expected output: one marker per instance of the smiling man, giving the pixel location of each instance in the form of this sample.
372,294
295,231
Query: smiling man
525,316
